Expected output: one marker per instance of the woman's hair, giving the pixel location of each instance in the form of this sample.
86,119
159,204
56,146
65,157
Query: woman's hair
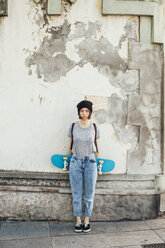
89,117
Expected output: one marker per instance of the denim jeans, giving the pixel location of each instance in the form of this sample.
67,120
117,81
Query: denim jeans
83,175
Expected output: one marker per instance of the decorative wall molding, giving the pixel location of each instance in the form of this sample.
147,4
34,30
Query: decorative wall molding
138,8
115,7
3,7
54,6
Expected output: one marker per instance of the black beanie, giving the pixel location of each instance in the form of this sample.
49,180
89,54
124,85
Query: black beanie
85,104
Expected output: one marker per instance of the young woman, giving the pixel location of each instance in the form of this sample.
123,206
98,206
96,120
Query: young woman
83,167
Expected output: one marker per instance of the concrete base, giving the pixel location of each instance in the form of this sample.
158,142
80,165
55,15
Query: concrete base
40,196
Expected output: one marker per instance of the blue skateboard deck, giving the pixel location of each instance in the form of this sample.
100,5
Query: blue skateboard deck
63,162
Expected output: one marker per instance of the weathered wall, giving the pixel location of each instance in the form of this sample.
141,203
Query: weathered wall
40,196
49,63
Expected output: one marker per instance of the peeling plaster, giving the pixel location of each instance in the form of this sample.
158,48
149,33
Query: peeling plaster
116,114
51,54
102,54
130,32
144,109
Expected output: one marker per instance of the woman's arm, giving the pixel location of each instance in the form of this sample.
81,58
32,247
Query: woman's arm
69,151
97,153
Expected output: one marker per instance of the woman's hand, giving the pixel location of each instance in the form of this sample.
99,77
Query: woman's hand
96,154
69,152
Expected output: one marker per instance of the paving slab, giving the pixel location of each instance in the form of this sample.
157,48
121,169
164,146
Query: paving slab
16,230
61,228
161,233
131,225
103,227
133,238
65,228
156,223
81,241
27,243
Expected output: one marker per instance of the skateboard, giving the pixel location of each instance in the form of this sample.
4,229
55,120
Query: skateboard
63,162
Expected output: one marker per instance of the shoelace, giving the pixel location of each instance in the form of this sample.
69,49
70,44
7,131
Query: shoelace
85,224
78,224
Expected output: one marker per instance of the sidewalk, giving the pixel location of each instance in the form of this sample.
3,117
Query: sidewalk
53,234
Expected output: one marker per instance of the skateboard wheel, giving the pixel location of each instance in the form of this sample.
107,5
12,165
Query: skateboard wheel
101,161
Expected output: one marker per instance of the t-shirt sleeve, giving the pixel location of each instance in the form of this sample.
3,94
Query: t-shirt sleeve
98,132
69,131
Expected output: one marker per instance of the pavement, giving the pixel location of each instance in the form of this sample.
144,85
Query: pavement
55,234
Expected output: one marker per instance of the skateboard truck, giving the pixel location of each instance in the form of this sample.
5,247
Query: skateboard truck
100,167
65,163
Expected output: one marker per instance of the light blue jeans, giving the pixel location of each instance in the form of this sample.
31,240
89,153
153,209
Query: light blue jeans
83,175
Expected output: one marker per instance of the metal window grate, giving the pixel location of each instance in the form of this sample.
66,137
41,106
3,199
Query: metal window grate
161,245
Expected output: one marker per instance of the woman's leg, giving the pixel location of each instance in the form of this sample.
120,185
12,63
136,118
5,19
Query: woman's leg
78,219
76,182
86,219
90,179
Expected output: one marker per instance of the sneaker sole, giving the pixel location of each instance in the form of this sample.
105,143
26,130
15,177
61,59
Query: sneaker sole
78,230
87,230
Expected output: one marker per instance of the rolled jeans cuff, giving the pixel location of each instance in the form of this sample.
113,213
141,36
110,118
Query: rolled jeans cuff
77,214
87,214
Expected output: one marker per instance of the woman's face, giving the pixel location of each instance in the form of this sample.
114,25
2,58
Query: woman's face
84,113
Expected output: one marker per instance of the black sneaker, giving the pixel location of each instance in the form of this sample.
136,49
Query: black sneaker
86,227
78,227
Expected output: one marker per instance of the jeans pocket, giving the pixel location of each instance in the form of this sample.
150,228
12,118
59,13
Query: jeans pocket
92,161
73,159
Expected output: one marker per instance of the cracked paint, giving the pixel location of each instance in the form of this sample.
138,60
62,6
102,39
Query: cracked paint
116,114
51,54
102,54
144,109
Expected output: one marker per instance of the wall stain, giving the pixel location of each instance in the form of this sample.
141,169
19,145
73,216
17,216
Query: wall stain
144,108
116,114
102,53
52,62
131,31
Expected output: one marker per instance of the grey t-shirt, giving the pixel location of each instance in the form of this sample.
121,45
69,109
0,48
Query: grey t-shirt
83,139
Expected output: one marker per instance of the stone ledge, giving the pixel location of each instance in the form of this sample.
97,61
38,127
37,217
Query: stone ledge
104,184
65,176
61,190
107,184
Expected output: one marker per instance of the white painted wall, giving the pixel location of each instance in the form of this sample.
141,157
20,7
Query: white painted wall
34,114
